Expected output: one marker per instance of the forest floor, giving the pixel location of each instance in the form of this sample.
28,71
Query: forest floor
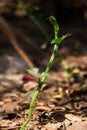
62,101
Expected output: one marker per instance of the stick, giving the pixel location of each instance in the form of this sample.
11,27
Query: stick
7,31
26,39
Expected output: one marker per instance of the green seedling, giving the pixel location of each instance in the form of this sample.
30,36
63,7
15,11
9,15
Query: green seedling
35,72
42,76
69,70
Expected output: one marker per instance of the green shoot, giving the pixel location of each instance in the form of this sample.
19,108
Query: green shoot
34,72
42,77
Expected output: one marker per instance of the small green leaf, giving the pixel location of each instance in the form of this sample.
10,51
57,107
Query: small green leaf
56,40
53,21
34,72
59,40
64,37
45,74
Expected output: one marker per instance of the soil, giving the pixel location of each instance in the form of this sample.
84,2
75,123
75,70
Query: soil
62,101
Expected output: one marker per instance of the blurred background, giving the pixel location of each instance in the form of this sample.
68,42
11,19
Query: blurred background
25,32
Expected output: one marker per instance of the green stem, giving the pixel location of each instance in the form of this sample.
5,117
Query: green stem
30,110
41,82
55,49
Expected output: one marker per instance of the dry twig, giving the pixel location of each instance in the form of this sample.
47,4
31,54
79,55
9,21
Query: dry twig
5,27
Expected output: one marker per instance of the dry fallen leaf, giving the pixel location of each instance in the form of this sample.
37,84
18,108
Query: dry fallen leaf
79,125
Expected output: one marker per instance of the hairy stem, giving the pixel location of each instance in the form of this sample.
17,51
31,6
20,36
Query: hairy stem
41,82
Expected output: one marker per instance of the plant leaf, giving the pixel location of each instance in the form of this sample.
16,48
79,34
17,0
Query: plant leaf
59,40
53,21
63,38
33,71
45,74
56,40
